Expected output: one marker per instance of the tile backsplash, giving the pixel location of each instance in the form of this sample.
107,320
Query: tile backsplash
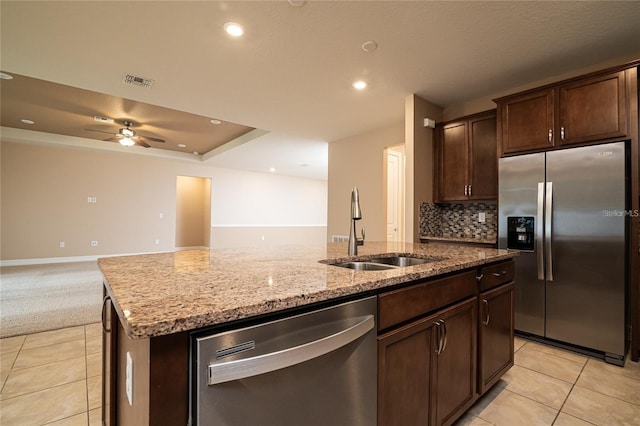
459,220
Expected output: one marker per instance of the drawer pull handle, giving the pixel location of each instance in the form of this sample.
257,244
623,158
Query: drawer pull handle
104,314
479,277
486,318
499,274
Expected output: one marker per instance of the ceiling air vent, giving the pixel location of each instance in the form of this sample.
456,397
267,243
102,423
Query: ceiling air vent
101,119
134,80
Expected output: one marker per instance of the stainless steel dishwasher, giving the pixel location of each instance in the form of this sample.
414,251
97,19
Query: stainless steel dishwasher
315,368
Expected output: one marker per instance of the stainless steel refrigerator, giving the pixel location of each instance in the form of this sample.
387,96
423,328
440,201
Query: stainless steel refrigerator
565,211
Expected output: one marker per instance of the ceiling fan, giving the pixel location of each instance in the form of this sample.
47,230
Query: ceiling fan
128,137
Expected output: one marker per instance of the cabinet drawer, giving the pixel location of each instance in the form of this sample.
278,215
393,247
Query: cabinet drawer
401,305
494,275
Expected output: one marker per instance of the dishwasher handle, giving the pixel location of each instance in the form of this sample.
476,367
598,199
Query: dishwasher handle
244,368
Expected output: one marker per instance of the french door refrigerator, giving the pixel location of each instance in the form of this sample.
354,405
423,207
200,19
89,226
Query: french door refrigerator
565,211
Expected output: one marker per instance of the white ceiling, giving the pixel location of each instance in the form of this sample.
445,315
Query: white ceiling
291,73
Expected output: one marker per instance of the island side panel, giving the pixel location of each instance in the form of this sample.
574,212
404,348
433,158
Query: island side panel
169,379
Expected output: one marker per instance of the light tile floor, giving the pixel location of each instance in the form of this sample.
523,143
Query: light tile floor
551,386
54,378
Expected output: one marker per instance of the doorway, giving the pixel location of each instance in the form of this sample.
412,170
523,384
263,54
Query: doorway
193,212
394,190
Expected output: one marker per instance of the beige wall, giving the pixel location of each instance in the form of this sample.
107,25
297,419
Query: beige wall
419,153
193,211
44,190
359,161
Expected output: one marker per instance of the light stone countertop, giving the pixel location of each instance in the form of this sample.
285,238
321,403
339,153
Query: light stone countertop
158,294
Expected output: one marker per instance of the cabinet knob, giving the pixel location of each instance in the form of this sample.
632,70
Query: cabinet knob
550,135
562,133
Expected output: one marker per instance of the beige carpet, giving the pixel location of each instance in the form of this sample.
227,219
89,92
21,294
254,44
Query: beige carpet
47,297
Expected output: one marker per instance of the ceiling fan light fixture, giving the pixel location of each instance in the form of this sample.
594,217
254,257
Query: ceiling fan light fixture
127,141
127,132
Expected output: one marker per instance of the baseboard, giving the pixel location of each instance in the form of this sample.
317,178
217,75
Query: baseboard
69,259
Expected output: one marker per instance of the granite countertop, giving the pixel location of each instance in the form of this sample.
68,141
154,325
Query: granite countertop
459,239
164,293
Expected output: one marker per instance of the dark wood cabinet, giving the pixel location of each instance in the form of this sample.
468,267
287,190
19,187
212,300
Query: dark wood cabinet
593,109
466,159
435,357
577,111
427,369
495,335
405,360
526,122
495,323
109,356
455,362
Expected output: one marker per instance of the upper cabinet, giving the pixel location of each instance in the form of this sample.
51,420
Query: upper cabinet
579,111
465,159
593,109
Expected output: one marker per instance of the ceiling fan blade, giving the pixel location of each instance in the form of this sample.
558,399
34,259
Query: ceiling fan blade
149,138
101,131
144,144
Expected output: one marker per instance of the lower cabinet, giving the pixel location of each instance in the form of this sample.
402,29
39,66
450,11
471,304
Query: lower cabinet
433,367
405,361
427,369
455,362
495,335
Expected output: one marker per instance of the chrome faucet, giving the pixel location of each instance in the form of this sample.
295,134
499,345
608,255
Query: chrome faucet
356,214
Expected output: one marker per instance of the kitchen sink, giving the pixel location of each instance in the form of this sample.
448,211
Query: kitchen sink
381,263
400,261
364,266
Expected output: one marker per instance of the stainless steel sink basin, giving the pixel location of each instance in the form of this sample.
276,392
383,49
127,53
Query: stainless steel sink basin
401,261
381,263
364,266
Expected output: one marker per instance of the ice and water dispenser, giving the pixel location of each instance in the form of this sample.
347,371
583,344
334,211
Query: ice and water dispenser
520,231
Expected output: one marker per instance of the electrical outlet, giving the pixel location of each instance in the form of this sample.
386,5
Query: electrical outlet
94,243
61,244
157,242
482,217
128,385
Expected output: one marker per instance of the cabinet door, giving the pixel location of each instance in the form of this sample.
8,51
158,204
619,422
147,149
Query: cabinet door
455,362
453,162
109,360
495,341
483,167
593,109
404,374
527,122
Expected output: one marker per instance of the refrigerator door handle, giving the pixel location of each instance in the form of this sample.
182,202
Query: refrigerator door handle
539,243
548,224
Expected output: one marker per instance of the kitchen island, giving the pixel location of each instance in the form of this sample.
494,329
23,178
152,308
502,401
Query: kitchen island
153,302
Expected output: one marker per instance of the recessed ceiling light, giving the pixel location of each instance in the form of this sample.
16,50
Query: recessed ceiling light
360,84
181,145
272,169
25,121
369,46
5,76
234,29
216,122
